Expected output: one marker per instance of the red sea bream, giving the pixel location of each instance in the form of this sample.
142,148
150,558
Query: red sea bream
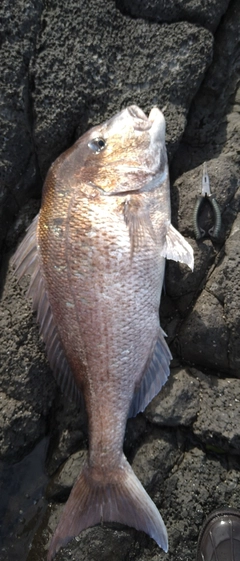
96,254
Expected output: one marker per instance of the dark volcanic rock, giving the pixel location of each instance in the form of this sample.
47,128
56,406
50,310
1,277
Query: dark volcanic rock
65,68
217,421
26,382
224,284
203,338
210,335
213,122
20,22
146,465
198,485
177,403
61,485
206,13
91,61
208,404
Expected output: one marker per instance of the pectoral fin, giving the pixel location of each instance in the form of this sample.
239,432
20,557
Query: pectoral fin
177,248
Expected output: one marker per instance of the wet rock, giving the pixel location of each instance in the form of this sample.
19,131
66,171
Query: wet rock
68,431
178,402
207,14
22,501
99,543
60,486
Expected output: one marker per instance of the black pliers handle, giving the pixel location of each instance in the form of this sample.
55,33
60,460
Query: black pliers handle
206,195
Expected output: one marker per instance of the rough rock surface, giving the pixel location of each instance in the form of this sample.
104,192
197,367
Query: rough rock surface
65,67
111,60
207,14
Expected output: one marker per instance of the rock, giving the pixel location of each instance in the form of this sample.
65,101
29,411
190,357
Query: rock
18,167
23,502
147,464
26,384
19,427
61,485
135,430
188,396
181,284
203,337
224,284
213,121
207,14
68,431
178,402
97,544
104,61
215,313
195,487
220,428
100,544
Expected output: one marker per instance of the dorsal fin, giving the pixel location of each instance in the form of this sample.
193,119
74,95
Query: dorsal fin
26,261
154,376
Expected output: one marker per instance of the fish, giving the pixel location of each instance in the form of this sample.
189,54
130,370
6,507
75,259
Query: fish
96,254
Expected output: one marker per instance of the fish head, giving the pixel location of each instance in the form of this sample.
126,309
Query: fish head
124,153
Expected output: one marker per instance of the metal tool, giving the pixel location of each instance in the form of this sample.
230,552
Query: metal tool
206,196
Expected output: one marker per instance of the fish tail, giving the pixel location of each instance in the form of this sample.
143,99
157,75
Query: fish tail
117,496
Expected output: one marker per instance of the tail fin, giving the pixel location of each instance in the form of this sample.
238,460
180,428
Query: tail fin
119,497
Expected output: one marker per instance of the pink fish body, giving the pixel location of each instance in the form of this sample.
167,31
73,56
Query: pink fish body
96,253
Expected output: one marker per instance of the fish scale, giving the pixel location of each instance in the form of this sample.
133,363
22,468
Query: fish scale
96,253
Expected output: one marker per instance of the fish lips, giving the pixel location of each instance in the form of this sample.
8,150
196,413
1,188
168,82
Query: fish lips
158,125
155,123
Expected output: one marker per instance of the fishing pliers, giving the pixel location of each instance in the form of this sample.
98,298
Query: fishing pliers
206,196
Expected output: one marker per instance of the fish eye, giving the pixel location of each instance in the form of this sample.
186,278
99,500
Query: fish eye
97,144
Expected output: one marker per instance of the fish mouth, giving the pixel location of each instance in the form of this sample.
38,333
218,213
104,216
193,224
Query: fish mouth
158,126
155,123
139,119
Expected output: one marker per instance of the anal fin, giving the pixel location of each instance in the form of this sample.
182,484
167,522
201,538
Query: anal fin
155,375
